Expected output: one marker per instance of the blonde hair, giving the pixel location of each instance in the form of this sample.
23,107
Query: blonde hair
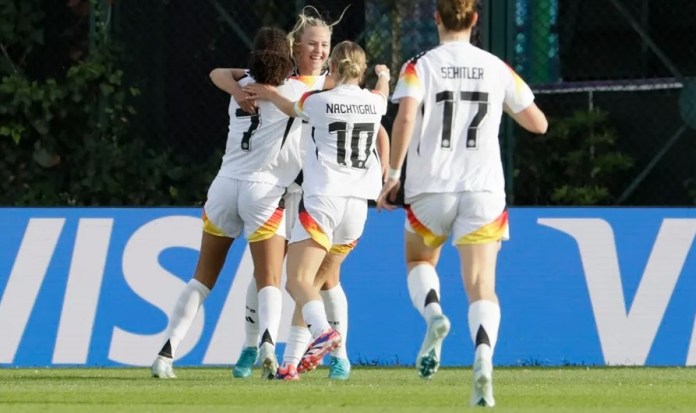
349,60
457,15
310,17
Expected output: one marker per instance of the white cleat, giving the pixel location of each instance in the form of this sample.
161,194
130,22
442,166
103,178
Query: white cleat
428,360
482,386
269,362
162,368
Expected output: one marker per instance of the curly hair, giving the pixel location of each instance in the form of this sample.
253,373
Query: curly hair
271,38
270,61
270,67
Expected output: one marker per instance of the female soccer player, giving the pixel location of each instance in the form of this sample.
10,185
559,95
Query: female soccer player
456,94
311,41
261,156
342,171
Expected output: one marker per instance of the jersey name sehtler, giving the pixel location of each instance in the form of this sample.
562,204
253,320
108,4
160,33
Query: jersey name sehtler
475,73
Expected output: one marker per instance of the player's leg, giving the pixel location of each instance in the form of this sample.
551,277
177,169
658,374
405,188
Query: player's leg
478,271
221,225
295,347
247,359
310,241
477,236
336,304
429,219
304,259
424,290
262,209
349,228
268,262
249,355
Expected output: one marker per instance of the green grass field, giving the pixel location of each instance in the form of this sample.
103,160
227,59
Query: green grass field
369,390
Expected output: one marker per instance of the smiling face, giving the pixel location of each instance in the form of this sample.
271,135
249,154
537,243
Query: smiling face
312,50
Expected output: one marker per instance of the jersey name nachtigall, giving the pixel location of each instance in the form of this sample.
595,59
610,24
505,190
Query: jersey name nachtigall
461,90
264,146
342,159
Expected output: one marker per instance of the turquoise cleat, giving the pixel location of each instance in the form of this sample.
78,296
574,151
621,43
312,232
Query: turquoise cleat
339,369
246,362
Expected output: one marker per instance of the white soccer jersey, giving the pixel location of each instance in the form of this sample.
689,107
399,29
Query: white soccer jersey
461,90
342,157
265,146
313,82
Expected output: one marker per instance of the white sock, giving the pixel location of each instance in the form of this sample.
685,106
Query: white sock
336,305
251,316
422,282
185,311
296,345
314,315
270,309
485,315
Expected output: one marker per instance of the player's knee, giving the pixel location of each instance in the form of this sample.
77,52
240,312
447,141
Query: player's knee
267,279
412,263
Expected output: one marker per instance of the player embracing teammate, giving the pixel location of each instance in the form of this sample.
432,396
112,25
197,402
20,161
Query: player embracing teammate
341,172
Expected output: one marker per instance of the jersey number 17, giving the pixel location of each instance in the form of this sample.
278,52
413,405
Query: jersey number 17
474,98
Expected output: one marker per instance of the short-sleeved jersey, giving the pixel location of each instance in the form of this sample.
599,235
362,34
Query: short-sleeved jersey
342,159
461,90
264,146
313,82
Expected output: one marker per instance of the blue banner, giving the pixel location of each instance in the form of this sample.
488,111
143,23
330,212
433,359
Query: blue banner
577,286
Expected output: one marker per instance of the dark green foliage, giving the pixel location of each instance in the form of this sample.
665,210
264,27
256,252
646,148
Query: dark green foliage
65,140
576,163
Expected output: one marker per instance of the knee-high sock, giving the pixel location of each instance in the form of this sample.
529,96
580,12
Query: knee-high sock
270,308
424,289
484,322
298,341
336,304
314,315
187,306
251,316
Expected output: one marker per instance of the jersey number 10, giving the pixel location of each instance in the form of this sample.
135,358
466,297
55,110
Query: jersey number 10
358,155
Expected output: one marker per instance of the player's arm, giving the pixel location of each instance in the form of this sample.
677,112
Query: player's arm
400,139
383,150
401,133
227,80
531,118
383,77
519,103
271,94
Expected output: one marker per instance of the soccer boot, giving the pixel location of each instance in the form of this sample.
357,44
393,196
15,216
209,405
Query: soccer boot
246,362
339,368
287,373
268,360
482,385
326,342
428,360
162,368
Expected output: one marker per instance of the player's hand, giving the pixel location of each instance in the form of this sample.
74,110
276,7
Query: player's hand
246,102
387,197
381,68
260,91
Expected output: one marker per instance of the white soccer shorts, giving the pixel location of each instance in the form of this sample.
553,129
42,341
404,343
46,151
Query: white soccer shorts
234,206
471,217
335,223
